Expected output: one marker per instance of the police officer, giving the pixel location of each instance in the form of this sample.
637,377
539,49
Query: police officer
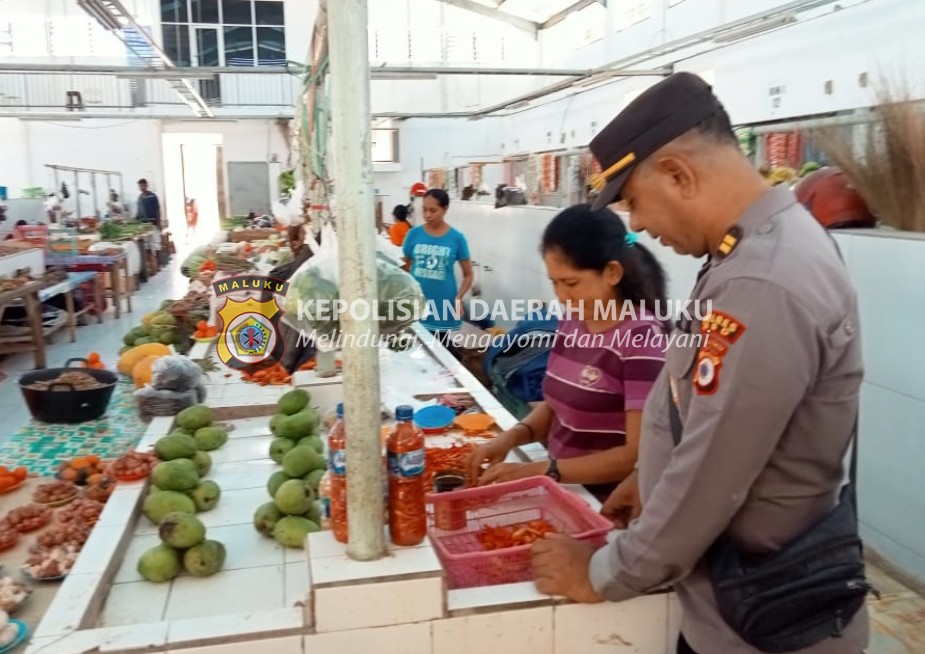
766,403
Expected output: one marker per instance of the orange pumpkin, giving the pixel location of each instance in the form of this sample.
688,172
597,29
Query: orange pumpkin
141,373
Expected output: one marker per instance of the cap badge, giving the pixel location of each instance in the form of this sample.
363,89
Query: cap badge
599,181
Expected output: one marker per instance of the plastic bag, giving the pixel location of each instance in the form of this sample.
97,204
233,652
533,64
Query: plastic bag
175,373
194,261
315,287
151,402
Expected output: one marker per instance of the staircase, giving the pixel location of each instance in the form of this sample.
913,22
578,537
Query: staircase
116,19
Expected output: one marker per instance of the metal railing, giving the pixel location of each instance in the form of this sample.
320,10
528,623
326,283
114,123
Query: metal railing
24,91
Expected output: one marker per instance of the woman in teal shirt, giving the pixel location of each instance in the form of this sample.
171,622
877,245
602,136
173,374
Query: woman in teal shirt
431,253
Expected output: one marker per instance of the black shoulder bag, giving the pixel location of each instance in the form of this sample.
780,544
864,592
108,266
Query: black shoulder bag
802,594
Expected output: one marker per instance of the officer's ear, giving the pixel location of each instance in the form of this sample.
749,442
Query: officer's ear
677,175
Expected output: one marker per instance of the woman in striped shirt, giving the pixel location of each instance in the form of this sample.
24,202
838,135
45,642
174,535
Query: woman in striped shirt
608,351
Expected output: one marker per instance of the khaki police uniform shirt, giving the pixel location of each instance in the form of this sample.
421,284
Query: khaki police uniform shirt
767,407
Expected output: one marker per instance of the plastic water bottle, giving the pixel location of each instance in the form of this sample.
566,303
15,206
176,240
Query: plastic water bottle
324,498
337,471
406,458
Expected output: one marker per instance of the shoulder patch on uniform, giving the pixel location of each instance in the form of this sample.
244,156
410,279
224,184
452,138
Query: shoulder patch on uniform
722,325
720,331
730,242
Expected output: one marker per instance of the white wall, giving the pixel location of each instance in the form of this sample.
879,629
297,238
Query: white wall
133,147
892,427
892,420
434,143
878,37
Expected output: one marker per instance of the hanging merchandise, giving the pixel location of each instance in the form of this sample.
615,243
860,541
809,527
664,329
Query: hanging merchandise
310,302
550,173
784,149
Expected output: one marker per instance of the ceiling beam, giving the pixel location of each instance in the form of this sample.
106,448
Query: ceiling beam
520,23
383,72
555,19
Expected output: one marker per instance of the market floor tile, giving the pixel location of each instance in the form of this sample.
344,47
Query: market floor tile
104,338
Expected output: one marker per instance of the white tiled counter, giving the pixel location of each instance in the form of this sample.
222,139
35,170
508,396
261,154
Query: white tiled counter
318,600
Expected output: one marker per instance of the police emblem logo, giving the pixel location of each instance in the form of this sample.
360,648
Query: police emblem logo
590,376
721,331
249,336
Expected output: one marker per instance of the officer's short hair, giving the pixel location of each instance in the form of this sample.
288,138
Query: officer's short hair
716,127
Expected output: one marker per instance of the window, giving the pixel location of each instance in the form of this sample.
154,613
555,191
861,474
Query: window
203,11
271,46
239,46
237,12
215,33
268,13
174,11
384,143
176,44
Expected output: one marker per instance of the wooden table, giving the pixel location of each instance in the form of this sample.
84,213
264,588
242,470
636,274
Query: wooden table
66,287
29,295
112,264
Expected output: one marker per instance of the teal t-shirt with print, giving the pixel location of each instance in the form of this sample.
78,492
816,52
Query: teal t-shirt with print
433,264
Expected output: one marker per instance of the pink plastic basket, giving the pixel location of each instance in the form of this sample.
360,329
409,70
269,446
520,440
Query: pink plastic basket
463,558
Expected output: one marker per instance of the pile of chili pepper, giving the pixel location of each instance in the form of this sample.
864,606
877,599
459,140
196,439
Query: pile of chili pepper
273,376
443,459
499,538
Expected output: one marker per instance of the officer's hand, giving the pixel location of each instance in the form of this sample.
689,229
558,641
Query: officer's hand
560,567
624,504
491,453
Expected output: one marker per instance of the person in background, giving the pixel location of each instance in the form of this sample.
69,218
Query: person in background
591,414
746,431
431,253
192,214
401,226
298,350
149,207
115,206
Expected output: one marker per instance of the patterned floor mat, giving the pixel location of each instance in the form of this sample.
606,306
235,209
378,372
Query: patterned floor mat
42,447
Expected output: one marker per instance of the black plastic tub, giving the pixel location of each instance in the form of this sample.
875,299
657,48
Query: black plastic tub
65,404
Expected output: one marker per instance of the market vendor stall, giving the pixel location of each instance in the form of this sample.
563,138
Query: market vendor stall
32,338
115,264
299,599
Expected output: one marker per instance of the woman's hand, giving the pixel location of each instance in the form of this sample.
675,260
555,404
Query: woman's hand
492,453
624,504
501,472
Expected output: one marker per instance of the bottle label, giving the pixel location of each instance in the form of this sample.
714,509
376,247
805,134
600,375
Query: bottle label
338,462
407,464
326,508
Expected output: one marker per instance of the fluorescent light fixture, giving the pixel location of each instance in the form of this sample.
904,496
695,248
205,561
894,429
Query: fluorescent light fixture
49,119
597,79
169,74
758,27
380,76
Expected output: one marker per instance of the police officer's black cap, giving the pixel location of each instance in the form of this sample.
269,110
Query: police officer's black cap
661,114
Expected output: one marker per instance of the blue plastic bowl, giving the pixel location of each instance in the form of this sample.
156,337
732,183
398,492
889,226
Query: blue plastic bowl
434,419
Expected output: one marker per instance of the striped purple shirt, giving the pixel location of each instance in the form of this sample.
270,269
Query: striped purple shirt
593,379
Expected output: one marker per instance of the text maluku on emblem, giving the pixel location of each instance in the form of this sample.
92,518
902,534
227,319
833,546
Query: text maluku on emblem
249,337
